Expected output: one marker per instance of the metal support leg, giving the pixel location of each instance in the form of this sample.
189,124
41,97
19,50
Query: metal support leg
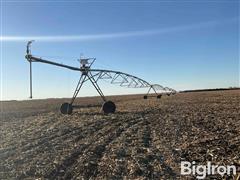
151,87
79,85
158,95
30,79
149,90
155,91
94,82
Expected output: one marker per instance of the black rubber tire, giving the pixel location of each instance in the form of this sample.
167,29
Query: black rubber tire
168,94
66,108
159,96
145,97
108,107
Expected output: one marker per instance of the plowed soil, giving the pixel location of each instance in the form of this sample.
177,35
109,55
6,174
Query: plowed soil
144,139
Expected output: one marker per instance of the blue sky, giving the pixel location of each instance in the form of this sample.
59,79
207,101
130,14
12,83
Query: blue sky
180,44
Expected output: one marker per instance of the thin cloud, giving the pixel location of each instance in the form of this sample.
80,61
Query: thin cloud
90,37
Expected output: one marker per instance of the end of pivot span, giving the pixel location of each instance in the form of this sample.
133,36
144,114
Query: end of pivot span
159,96
147,96
168,91
93,76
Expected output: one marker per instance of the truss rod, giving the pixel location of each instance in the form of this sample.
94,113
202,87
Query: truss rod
79,85
94,82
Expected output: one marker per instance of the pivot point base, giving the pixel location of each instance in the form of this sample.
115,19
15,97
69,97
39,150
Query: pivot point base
108,107
66,108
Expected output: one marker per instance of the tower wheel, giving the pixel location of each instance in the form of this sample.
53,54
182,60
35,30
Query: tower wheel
108,107
159,96
66,108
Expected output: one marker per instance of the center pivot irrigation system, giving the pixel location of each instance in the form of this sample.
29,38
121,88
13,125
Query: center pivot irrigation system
94,75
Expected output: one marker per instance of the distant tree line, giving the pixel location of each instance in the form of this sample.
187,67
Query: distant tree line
216,89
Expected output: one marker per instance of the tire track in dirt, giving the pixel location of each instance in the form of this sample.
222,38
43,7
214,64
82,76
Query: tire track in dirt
83,132
28,123
116,156
147,156
14,149
96,150
136,156
58,135
144,158
156,155
165,151
39,141
96,153
46,143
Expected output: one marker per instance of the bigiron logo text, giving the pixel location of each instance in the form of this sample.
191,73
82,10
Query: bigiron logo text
201,171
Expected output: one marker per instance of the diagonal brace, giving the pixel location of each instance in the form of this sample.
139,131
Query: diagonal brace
79,85
95,84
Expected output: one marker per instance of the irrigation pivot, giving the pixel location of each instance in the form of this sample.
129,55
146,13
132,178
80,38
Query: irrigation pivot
94,75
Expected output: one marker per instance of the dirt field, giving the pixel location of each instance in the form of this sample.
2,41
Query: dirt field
144,139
